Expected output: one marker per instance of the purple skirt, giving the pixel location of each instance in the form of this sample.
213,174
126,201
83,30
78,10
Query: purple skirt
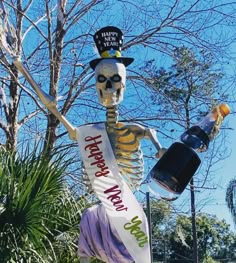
99,239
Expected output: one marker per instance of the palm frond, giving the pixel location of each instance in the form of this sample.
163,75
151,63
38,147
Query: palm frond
36,208
231,198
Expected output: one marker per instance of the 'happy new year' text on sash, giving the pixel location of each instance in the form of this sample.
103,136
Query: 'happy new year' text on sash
121,206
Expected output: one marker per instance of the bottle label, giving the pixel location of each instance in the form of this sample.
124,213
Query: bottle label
175,168
196,138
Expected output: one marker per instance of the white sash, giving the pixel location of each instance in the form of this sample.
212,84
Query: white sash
124,211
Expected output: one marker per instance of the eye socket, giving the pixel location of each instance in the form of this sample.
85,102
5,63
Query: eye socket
116,78
101,78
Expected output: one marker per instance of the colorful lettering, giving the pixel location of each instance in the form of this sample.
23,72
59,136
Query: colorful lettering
96,154
134,228
115,198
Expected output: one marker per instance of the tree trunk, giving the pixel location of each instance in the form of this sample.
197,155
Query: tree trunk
12,114
51,136
55,54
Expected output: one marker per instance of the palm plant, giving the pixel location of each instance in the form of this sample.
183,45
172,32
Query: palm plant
39,216
231,198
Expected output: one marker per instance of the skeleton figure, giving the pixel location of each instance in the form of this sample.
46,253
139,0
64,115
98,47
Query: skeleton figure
110,74
124,138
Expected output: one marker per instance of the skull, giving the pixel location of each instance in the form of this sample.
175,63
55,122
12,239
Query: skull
110,81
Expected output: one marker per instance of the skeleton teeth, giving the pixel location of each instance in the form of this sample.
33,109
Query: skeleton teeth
118,94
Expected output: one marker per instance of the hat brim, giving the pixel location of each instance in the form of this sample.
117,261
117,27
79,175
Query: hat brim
123,60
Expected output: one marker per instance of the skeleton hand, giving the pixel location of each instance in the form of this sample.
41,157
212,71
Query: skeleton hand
160,153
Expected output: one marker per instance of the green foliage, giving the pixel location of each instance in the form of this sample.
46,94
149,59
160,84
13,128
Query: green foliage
39,217
208,259
215,240
161,221
173,242
188,88
160,213
231,198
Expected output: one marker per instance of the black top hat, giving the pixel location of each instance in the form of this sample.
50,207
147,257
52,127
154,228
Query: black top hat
109,41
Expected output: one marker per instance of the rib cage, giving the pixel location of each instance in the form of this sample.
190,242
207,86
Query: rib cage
125,142
128,154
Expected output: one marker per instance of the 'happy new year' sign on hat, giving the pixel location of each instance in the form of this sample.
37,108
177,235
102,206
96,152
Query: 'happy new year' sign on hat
109,41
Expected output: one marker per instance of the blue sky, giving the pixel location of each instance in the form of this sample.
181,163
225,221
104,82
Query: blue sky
212,202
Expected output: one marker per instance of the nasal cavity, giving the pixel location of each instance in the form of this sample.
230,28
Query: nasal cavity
108,85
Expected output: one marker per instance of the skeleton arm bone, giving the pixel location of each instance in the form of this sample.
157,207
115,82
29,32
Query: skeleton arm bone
148,133
46,99
152,135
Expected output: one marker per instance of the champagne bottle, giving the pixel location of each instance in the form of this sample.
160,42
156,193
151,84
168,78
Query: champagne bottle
172,173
